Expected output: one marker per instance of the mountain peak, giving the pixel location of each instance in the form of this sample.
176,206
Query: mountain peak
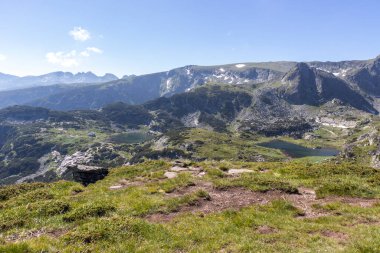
307,85
302,66
302,72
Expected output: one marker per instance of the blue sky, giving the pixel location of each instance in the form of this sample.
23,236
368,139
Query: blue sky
144,36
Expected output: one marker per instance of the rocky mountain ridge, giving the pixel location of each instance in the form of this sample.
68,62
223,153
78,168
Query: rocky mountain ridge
359,76
10,82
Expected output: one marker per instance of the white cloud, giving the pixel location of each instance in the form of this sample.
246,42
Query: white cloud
2,57
90,50
72,58
95,50
79,33
85,53
64,59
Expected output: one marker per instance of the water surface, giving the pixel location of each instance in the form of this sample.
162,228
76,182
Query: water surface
298,151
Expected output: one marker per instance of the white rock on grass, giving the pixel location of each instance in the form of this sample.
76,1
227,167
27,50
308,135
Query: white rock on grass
170,174
201,174
238,171
178,169
115,187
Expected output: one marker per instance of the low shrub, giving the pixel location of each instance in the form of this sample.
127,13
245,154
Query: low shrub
51,208
89,210
8,192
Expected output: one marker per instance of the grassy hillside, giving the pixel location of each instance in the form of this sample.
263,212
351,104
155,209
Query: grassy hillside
207,207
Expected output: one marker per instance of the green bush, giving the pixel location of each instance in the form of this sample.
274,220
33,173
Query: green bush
110,229
39,194
15,248
343,187
7,223
89,210
8,192
76,189
51,208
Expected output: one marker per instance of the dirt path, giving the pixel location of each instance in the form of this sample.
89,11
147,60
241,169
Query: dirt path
237,198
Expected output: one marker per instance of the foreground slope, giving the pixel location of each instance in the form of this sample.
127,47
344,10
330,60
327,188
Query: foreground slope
204,207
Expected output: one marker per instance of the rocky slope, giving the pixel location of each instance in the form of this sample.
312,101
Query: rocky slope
367,78
351,76
250,102
311,86
139,89
41,144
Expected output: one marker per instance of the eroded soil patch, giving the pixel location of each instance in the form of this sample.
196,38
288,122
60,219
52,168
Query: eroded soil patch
55,233
236,198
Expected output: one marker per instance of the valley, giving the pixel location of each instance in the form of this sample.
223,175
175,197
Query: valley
266,157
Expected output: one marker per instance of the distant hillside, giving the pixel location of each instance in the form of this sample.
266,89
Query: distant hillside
359,81
310,86
9,82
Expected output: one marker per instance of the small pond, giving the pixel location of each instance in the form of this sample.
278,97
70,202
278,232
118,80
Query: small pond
298,151
131,137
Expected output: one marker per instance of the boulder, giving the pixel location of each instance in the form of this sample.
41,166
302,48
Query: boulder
170,174
88,174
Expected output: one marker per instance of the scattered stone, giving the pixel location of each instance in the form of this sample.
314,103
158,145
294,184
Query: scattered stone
196,169
238,171
91,134
201,174
179,163
179,169
189,169
170,174
311,136
307,193
115,187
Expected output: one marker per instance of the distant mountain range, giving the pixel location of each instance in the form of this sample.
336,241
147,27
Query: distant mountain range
10,82
356,83
52,126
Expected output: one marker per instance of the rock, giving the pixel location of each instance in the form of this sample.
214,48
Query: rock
88,174
115,187
195,169
161,143
201,174
70,161
311,136
170,174
178,169
238,171
375,160
91,134
336,122
348,151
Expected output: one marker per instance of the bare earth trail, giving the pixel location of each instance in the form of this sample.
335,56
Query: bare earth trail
236,198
